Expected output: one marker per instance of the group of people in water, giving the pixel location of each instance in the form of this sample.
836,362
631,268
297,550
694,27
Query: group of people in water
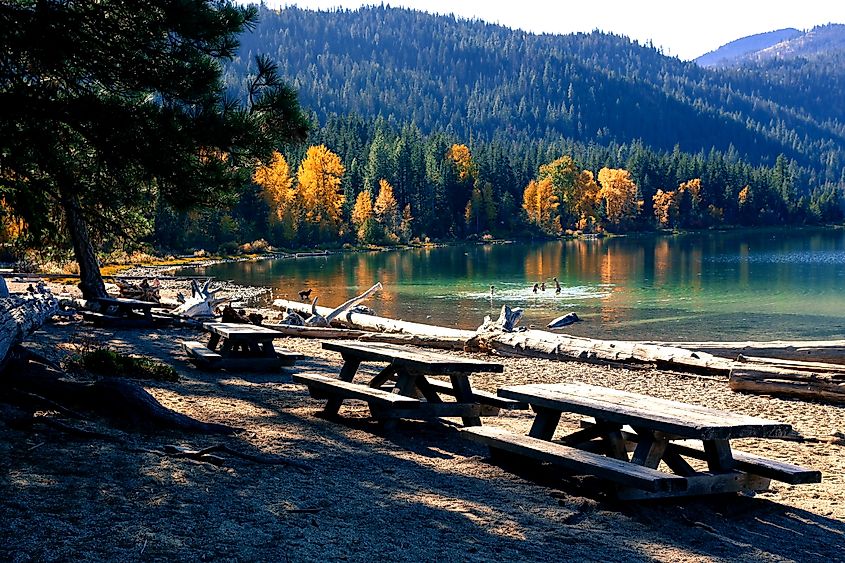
537,287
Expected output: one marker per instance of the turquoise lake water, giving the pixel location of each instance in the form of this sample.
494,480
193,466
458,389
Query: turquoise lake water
701,286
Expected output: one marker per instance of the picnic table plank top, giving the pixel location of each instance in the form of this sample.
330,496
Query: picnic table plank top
125,301
430,362
243,330
671,417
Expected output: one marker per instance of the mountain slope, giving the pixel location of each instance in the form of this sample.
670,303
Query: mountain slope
736,51
486,81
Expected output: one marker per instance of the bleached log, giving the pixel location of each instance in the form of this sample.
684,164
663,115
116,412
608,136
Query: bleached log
4,289
325,320
507,321
806,385
441,342
377,324
830,351
543,344
21,316
202,302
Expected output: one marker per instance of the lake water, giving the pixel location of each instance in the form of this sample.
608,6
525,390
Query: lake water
701,286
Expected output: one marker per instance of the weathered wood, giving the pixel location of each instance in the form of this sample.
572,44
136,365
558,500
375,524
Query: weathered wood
830,351
378,324
202,302
200,352
576,460
672,417
441,342
324,386
21,316
544,344
478,396
429,411
419,360
806,385
751,463
702,484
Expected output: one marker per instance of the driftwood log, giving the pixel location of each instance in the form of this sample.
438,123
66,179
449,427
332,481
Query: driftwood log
317,319
828,351
21,316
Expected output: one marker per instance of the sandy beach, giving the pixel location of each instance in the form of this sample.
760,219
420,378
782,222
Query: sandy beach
418,493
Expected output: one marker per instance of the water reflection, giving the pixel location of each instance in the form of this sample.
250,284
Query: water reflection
702,286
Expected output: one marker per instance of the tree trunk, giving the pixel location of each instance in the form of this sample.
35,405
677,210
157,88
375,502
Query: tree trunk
19,317
91,282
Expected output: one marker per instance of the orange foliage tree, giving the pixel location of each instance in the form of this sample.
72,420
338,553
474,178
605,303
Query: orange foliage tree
361,213
277,190
563,174
319,177
387,210
540,205
619,194
11,226
666,207
586,207
460,155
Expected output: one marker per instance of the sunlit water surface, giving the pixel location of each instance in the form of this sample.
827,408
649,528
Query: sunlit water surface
711,286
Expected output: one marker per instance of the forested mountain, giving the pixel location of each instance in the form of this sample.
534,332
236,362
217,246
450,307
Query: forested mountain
736,51
432,126
783,45
486,81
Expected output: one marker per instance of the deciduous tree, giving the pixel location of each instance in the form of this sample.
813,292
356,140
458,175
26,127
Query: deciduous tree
319,186
619,194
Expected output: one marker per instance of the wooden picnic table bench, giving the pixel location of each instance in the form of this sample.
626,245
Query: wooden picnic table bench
403,389
120,312
653,431
240,346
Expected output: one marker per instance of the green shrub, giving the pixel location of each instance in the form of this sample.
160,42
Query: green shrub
112,364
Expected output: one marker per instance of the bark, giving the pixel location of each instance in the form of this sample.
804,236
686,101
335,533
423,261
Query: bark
20,316
829,351
91,281
806,385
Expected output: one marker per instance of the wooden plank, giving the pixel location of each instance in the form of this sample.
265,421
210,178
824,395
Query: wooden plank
330,386
428,411
200,351
482,397
421,360
576,460
286,357
672,417
242,330
702,484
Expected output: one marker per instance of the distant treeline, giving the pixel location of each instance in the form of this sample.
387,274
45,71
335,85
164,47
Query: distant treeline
360,180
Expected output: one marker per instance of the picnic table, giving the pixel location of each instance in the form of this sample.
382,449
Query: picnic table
630,435
120,312
404,388
240,346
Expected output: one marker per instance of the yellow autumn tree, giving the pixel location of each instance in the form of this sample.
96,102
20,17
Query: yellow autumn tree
319,176
563,175
386,209
361,213
540,205
619,194
744,196
461,156
277,191
586,206
666,206
693,189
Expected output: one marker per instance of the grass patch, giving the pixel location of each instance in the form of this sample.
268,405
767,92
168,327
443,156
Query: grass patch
109,363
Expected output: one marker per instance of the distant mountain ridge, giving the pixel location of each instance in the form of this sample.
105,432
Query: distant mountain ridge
738,50
784,44
484,81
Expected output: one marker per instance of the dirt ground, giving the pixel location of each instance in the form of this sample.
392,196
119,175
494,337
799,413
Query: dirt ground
416,493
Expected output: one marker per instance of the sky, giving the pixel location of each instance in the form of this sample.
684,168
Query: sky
681,29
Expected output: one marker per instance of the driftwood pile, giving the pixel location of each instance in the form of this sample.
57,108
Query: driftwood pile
814,380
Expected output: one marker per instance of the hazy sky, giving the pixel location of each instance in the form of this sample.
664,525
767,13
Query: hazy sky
682,29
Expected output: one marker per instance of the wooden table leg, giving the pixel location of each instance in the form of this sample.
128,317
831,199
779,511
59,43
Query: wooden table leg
382,377
213,341
719,456
347,373
545,423
614,441
649,450
463,394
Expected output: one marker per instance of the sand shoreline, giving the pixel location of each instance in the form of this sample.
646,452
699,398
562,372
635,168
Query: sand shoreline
420,493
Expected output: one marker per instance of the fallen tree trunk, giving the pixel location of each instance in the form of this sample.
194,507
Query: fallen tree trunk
543,344
442,342
805,385
830,351
377,324
21,316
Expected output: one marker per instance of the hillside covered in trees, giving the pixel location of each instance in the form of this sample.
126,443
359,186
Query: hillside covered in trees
432,126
